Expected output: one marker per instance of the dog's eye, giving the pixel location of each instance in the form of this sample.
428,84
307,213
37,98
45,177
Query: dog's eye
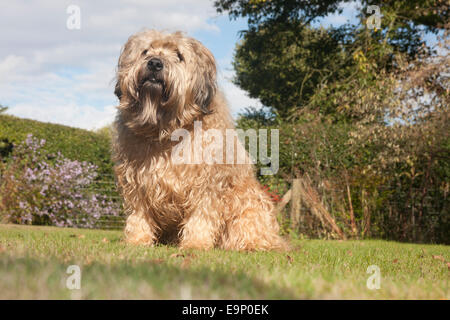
180,56
144,52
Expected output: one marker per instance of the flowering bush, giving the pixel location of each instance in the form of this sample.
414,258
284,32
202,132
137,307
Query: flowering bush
48,189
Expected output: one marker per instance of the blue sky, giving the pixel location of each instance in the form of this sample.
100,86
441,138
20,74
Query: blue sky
53,74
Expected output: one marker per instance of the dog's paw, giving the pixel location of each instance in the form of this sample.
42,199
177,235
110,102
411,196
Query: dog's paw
145,240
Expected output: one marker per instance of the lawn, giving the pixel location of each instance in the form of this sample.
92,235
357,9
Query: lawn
34,260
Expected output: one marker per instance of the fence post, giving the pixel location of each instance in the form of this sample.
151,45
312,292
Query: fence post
295,203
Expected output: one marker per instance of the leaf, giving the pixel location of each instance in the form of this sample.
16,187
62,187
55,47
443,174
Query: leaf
290,259
156,261
186,262
395,261
350,253
439,258
79,236
105,240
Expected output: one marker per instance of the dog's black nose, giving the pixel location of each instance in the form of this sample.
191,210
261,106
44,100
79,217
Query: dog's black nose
155,64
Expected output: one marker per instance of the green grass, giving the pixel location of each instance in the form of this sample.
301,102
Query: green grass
33,263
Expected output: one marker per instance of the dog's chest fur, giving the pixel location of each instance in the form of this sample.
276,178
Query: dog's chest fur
169,190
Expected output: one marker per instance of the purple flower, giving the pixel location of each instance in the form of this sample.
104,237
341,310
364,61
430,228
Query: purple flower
55,192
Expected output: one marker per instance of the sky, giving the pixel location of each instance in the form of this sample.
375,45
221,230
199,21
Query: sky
52,73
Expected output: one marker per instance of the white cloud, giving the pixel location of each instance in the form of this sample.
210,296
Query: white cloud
81,116
10,65
237,98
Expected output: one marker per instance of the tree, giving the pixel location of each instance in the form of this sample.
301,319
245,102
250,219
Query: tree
284,61
282,65
258,11
432,14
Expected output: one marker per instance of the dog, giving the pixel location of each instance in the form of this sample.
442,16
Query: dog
167,82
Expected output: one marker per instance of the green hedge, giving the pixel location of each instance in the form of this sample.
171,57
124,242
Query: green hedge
73,143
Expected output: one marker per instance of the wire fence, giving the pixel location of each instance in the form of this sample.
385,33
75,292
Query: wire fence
110,223
410,215
106,186
404,214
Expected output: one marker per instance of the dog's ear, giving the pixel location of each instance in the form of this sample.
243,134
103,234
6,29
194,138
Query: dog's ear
205,84
206,90
117,90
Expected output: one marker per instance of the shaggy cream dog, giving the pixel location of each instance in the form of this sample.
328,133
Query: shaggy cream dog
167,82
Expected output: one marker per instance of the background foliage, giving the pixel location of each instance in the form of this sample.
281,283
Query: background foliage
363,113
35,190
73,143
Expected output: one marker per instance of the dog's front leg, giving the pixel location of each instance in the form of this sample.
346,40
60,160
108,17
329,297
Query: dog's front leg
253,229
200,230
140,229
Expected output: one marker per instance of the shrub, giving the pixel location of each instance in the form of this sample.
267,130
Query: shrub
73,143
41,188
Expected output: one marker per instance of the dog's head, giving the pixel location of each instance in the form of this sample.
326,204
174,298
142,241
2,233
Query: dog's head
164,81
